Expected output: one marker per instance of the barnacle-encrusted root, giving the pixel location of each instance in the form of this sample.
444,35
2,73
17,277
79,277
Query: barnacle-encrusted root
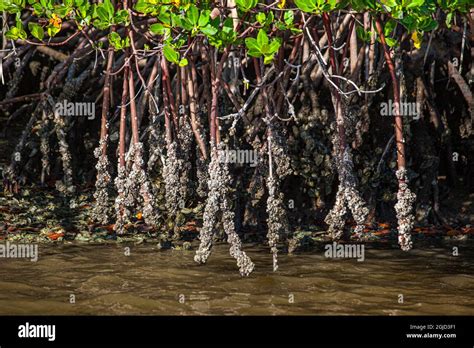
217,200
210,213
171,178
121,212
101,209
404,208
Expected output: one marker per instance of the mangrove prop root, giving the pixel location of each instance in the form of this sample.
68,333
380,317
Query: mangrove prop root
404,209
219,179
172,179
101,210
210,212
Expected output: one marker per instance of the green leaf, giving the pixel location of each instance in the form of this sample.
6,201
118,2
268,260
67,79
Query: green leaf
428,24
262,38
193,15
142,6
254,53
268,59
389,27
103,14
121,17
176,20
289,17
115,40
12,34
52,30
274,46
109,8
246,5
409,22
362,34
170,54
209,30
260,17
389,3
415,3
253,47
157,28
390,42
38,9
204,18
306,5
36,30
251,43
449,18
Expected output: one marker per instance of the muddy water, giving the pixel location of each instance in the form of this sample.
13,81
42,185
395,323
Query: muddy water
105,281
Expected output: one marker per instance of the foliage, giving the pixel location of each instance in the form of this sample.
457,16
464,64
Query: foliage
177,22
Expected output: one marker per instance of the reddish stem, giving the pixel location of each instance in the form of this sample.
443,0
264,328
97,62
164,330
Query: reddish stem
133,108
123,117
106,100
338,105
396,98
166,102
169,91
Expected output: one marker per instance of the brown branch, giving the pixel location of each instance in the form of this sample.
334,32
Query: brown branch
22,99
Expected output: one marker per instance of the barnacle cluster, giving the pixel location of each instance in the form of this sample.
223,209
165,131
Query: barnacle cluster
347,196
61,126
138,189
256,186
172,178
336,216
279,152
149,208
244,263
134,191
356,204
360,123
202,175
404,209
101,209
66,186
122,213
185,137
156,144
11,172
131,185
311,137
218,200
210,212
45,148
277,221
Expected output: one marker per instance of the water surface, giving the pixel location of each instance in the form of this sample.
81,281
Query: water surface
168,282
